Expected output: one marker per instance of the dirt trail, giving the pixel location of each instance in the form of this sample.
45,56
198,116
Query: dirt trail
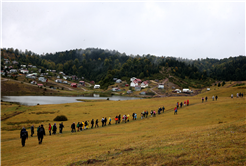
157,86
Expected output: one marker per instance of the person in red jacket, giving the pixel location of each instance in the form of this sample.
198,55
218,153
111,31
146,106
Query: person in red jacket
188,102
175,111
49,129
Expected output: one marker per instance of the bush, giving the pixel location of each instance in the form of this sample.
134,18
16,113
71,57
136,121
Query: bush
150,93
61,118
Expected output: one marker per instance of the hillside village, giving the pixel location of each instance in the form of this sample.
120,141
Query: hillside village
59,80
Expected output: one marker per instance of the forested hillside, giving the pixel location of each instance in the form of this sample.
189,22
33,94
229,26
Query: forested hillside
103,65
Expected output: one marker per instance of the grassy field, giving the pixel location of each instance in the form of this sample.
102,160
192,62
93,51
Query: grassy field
209,133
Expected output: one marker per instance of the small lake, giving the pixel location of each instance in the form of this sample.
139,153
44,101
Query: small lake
42,100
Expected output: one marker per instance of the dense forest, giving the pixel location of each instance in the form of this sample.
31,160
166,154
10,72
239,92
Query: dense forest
103,65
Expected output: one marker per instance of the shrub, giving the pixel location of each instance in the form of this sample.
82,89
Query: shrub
60,118
150,93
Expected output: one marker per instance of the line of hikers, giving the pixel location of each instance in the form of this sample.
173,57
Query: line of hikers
85,124
180,104
206,98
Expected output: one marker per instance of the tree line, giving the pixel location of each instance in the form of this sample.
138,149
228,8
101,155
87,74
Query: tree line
103,65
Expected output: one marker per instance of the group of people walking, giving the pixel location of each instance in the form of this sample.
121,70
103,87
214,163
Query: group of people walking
238,95
206,98
84,125
186,102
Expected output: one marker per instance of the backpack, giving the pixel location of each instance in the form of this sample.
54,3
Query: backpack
41,130
23,134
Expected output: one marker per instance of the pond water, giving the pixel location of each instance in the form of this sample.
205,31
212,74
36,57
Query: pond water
41,100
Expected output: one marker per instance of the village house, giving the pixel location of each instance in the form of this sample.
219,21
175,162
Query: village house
115,89
15,62
31,76
74,85
96,86
161,86
13,71
118,81
58,81
82,83
144,84
137,88
134,83
40,85
24,71
42,79
24,66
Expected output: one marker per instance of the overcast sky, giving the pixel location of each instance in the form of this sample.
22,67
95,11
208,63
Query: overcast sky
179,29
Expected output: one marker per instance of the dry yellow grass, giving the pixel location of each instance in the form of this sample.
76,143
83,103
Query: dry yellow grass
210,133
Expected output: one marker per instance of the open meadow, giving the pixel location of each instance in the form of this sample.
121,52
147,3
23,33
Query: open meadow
208,133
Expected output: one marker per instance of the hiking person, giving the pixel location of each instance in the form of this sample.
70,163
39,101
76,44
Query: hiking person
109,121
181,104
147,113
184,103
96,126
128,117
116,119
188,102
81,126
105,121
32,130
23,136
206,98
54,128
213,98
77,126
86,124
177,105
133,115
216,97
154,113
119,118
163,108
141,115
41,133
92,123
73,127
124,118
102,121
237,95
151,113
50,128
61,126
242,94
175,111
202,99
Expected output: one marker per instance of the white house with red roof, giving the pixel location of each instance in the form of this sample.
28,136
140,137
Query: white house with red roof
144,84
134,83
